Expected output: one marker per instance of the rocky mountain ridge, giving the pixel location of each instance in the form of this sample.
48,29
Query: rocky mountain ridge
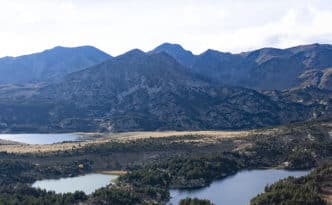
262,69
148,91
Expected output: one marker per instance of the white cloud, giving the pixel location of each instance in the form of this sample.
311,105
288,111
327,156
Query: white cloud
117,26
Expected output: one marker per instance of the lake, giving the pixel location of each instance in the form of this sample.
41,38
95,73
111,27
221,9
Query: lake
237,189
86,183
40,138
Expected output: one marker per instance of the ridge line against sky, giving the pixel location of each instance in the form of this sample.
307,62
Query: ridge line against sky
117,26
173,43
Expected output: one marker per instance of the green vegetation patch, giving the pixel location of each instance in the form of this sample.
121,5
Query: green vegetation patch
306,190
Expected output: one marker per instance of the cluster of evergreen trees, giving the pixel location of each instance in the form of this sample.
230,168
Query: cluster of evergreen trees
195,201
185,172
17,194
297,191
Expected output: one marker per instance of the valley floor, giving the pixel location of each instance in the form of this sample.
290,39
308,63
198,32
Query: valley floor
153,162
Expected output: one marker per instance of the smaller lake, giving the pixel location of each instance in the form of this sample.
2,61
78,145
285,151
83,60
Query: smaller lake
40,138
86,183
237,189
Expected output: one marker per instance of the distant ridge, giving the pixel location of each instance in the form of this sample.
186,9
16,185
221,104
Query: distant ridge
49,65
262,69
150,91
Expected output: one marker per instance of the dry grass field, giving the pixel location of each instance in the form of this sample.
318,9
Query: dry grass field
99,138
204,137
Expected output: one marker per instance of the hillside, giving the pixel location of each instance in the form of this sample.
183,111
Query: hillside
139,91
52,64
263,69
317,78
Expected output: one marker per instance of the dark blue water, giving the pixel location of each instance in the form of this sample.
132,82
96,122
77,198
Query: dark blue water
40,138
237,189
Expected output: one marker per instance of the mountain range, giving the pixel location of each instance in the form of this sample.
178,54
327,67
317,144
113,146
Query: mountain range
168,88
263,69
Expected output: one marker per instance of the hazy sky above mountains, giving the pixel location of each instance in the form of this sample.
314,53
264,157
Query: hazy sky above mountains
116,26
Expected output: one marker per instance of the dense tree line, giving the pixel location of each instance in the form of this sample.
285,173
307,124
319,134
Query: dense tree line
194,201
15,171
188,172
115,195
19,194
22,171
292,191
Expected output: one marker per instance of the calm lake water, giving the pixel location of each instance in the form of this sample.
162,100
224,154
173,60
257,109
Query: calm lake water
237,189
86,183
40,138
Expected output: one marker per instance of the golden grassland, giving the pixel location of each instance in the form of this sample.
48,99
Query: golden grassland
99,138
205,137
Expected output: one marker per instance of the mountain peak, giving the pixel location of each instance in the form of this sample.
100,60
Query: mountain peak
169,46
75,47
210,51
134,51
49,65
214,53
183,56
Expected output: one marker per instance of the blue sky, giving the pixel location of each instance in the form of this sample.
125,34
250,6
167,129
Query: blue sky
117,26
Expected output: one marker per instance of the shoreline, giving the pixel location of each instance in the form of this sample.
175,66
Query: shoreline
113,172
